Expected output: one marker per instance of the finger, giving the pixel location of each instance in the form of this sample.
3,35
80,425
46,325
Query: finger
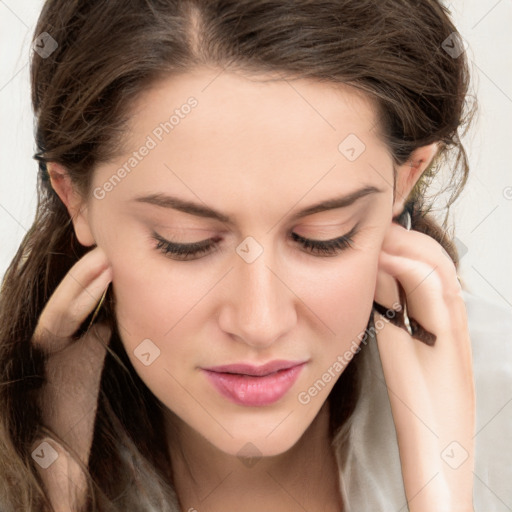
386,290
425,272
428,300
62,476
75,373
438,316
418,246
73,300
69,398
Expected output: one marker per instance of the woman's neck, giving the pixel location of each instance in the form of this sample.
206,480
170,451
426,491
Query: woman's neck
209,480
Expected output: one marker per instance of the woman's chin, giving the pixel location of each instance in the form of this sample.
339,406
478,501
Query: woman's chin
251,448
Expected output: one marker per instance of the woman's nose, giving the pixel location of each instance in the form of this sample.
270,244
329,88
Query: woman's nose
259,308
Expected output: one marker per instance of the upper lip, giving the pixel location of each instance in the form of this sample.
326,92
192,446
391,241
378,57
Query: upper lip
256,371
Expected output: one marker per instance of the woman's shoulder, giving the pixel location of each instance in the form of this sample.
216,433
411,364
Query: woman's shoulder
490,330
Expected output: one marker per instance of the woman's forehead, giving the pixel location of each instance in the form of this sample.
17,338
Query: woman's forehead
222,119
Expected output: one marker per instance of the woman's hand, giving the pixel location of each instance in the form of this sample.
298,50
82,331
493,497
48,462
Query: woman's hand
69,396
430,387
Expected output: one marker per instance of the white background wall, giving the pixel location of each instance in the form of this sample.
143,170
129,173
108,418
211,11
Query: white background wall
482,216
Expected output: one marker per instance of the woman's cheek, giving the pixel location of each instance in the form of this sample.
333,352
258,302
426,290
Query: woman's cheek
141,294
342,293
154,294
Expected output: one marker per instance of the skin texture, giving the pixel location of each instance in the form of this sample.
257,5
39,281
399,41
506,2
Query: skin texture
259,152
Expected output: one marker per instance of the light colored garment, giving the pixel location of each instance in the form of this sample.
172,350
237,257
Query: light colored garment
372,479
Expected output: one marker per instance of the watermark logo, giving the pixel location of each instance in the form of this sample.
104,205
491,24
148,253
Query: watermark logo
462,248
249,250
44,45
249,455
351,147
147,352
454,455
45,455
454,45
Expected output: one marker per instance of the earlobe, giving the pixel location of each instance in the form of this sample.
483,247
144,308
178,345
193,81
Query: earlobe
61,183
410,172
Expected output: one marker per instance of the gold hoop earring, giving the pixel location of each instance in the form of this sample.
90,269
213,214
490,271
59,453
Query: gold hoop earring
98,307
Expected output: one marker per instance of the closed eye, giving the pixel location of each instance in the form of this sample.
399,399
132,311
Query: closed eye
193,251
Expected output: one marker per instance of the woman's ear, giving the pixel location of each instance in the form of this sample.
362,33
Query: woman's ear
74,203
410,172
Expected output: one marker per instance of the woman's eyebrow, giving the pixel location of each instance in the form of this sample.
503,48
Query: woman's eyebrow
201,210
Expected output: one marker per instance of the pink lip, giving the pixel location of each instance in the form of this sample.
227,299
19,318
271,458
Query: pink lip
250,385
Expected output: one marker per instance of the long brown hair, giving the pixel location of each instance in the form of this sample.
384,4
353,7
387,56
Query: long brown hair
108,53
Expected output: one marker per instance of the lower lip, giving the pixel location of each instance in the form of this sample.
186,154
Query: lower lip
254,391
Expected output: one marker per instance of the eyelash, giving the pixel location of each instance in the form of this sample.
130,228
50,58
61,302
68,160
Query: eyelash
188,252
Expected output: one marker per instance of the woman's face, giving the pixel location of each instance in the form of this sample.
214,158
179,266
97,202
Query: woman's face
242,163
